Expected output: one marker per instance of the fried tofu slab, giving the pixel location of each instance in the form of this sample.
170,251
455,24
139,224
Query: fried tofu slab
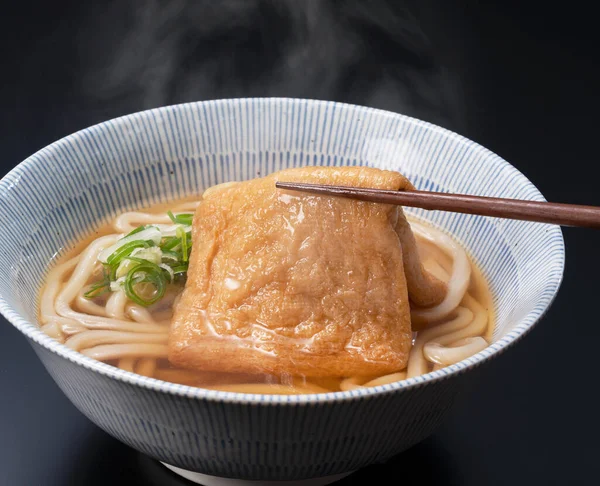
284,282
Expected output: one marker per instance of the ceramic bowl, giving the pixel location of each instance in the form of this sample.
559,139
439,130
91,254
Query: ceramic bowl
59,194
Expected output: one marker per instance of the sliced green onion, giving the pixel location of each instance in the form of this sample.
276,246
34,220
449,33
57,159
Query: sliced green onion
169,271
145,272
126,250
100,287
172,256
97,289
112,271
151,233
185,219
150,256
179,269
181,233
136,230
117,284
169,243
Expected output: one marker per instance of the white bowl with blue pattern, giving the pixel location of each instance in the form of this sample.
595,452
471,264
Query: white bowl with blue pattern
57,195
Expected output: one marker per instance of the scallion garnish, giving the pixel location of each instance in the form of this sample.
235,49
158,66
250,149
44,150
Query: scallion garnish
148,273
146,260
99,288
170,256
136,230
125,251
185,219
170,242
182,235
179,269
149,234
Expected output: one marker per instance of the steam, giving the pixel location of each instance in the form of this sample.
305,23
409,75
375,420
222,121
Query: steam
143,54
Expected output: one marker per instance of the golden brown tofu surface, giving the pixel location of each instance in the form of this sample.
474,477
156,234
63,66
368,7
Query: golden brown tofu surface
284,282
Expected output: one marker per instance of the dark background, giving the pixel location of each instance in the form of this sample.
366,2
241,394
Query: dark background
520,78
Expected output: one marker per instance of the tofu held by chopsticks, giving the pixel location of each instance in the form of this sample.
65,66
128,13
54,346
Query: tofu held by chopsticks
286,282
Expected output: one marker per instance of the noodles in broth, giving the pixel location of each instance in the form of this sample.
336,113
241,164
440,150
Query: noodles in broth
114,329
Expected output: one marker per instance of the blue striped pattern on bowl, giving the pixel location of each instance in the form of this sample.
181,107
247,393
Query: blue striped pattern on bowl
60,193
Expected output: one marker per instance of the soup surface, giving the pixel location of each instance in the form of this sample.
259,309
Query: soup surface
112,298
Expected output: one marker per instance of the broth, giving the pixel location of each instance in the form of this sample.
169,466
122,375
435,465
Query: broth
132,337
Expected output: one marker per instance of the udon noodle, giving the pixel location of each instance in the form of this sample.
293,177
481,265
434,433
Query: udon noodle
113,329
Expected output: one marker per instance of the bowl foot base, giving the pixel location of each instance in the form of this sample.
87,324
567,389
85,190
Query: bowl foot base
207,480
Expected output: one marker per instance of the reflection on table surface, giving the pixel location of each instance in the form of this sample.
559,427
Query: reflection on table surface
130,467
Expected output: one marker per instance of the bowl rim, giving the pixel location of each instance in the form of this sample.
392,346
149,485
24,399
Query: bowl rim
33,332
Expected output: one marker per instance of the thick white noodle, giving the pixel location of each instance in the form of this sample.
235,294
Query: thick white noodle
105,352
138,313
127,222
83,270
54,280
447,355
72,320
352,383
146,367
115,305
459,279
53,330
89,339
444,340
417,364
88,306
127,364
136,337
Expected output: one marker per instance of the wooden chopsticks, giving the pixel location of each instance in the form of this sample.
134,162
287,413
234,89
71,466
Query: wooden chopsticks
542,212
